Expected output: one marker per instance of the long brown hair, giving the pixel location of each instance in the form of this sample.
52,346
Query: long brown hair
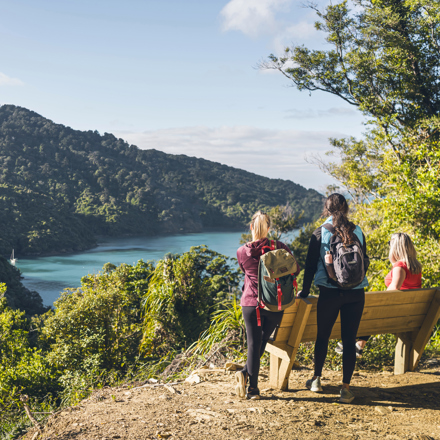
337,207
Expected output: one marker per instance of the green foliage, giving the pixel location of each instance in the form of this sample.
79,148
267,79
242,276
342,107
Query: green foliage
183,292
384,60
59,188
93,336
284,220
227,325
99,325
24,370
433,347
18,296
378,353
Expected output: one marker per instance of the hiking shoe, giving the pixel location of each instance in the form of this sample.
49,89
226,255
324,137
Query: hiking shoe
253,393
340,348
240,388
346,396
314,385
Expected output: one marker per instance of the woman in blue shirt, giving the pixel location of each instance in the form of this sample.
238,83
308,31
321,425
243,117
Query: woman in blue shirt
333,299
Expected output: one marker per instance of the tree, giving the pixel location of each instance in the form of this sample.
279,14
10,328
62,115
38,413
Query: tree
99,325
384,60
183,293
23,369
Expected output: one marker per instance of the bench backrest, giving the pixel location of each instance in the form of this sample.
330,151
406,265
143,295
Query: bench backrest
384,312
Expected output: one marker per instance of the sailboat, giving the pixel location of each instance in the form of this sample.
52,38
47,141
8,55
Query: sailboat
13,260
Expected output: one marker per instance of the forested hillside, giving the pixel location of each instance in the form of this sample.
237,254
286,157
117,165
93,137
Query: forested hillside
59,188
18,296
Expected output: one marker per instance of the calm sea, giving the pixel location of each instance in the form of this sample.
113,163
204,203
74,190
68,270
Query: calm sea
50,275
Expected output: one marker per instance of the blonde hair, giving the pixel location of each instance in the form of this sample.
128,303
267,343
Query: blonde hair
260,225
402,248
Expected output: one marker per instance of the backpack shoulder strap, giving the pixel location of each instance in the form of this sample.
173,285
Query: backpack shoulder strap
329,228
273,244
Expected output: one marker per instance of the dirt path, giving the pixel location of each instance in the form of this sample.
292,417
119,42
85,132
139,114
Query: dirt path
386,407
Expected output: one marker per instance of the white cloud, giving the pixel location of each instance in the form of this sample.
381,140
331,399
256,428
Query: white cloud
297,33
272,153
252,17
312,114
8,81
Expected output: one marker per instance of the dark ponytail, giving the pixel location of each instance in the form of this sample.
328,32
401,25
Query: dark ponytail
337,207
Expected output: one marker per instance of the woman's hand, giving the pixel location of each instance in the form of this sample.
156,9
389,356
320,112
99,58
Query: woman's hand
399,276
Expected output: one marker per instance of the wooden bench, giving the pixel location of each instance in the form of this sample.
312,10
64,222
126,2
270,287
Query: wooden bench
410,315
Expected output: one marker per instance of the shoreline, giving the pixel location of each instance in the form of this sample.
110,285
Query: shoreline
101,238
49,275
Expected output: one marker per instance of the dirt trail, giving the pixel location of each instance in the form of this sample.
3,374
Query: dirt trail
386,407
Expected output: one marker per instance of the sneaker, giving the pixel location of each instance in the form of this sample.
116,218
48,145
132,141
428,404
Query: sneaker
340,348
346,396
253,393
314,385
240,388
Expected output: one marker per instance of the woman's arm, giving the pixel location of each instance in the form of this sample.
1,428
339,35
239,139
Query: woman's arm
399,276
366,257
239,260
313,255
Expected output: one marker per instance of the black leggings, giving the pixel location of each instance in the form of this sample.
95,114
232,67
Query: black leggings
350,303
257,338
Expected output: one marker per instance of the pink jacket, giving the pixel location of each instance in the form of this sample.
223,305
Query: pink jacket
248,257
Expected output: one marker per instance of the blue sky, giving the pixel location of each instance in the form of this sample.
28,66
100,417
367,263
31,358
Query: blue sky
178,76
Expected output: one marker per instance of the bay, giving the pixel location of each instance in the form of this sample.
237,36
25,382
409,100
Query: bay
50,275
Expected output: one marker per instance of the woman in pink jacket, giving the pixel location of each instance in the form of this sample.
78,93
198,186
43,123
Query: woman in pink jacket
248,257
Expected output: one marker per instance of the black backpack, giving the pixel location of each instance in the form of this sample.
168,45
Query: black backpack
349,262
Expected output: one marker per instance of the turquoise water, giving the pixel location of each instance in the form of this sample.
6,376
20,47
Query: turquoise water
50,275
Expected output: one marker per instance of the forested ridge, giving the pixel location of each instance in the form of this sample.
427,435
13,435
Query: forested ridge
60,187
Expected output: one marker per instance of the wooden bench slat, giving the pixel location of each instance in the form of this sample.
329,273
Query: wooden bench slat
389,325
396,297
372,312
372,327
382,298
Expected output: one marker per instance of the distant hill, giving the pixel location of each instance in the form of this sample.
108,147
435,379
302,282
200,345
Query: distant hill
60,188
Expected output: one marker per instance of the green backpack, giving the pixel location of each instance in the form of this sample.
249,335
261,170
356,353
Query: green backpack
277,284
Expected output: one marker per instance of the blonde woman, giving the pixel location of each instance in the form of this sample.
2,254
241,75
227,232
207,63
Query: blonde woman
407,270
248,257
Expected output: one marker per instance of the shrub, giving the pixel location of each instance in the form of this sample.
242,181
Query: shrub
24,370
183,292
98,325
